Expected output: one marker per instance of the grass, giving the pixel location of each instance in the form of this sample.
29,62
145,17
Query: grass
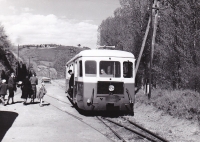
178,103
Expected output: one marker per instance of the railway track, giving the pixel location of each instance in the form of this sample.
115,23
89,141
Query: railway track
130,130
74,116
136,132
127,130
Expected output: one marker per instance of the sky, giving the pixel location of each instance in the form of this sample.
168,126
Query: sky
65,22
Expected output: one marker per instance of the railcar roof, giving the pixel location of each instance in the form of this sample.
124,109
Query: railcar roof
103,53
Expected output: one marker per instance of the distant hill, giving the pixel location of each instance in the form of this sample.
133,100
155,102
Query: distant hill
49,62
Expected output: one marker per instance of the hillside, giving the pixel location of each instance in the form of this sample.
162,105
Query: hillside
48,62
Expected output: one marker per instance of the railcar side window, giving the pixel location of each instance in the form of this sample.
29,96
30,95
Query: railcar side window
80,69
127,69
110,69
90,68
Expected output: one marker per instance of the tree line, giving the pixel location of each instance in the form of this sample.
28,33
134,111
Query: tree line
4,50
177,50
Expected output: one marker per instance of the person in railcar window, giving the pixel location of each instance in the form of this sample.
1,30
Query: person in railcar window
103,72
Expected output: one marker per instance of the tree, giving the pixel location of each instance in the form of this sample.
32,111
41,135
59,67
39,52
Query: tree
176,53
79,45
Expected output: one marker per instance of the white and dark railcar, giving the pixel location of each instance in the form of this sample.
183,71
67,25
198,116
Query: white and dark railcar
94,90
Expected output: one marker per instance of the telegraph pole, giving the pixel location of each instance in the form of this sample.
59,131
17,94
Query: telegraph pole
17,72
18,52
143,44
29,62
154,12
49,70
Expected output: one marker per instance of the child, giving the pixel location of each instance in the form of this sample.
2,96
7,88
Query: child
3,91
41,93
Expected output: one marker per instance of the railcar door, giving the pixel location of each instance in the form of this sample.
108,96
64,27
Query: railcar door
78,84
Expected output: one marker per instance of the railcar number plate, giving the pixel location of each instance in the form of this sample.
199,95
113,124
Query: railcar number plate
112,98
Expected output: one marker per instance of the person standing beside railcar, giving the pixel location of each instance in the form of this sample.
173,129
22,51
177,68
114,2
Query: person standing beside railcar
34,82
11,87
71,83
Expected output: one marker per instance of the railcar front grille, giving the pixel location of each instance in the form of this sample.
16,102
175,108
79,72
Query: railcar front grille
102,87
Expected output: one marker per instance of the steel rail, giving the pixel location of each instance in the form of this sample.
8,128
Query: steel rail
112,130
66,111
138,133
57,99
153,134
78,118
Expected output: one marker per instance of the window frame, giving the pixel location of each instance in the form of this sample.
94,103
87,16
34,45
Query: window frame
91,75
132,69
112,75
80,67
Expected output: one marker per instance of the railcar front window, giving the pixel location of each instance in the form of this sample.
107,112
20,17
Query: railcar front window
127,69
90,68
110,69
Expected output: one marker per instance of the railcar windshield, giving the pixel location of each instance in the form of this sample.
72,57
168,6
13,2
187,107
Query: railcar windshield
127,69
110,69
90,68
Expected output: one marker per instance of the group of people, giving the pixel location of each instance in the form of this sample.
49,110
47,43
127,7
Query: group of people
27,85
11,86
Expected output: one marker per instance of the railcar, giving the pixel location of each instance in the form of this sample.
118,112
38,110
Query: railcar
103,80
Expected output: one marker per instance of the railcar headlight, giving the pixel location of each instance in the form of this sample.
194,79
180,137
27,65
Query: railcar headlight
111,88
88,101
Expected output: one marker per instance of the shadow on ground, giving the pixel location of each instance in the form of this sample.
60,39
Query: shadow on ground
32,103
7,118
14,103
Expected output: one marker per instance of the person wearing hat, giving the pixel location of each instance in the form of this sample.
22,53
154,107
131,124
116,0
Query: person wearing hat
3,91
71,83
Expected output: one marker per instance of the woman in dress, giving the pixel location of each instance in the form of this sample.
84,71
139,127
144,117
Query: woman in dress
26,89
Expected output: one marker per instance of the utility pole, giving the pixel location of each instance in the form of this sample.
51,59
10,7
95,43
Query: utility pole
49,70
29,62
17,72
18,52
143,44
154,12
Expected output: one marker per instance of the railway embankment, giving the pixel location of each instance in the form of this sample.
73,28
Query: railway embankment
184,104
172,114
